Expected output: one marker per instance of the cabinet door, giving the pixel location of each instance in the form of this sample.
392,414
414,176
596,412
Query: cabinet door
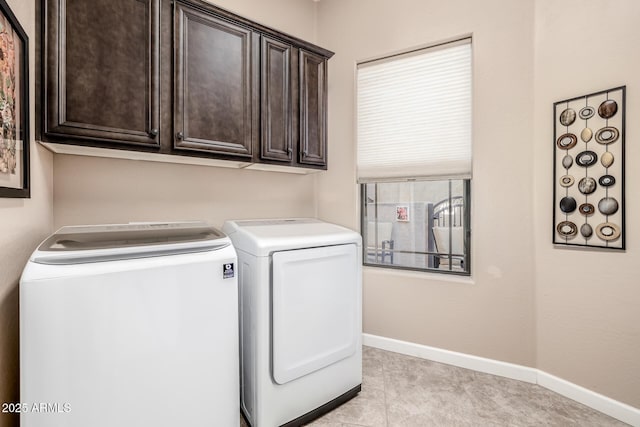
276,101
101,73
313,109
215,83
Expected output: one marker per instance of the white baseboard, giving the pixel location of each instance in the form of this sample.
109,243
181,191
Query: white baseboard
604,404
468,361
597,401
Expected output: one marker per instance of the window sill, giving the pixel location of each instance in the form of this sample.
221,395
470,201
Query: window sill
423,275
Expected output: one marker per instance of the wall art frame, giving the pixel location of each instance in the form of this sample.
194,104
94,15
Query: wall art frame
402,213
589,170
14,106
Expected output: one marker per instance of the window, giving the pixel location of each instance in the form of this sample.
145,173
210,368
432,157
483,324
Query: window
414,158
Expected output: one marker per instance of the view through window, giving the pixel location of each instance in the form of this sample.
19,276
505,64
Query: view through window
417,224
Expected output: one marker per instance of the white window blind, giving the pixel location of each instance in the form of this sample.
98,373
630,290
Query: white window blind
414,114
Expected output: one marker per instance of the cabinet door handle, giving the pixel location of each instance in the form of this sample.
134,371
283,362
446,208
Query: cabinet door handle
289,150
153,132
305,153
180,136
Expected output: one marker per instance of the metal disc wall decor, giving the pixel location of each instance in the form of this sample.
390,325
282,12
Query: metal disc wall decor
607,180
587,185
586,230
586,134
588,174
586,112
586,209
567,141
567,229
586,158
566,181
567,117
607,135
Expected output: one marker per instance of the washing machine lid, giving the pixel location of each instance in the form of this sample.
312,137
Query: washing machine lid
263,237
95,243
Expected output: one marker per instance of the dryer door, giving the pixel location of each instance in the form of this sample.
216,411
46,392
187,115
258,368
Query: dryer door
315,305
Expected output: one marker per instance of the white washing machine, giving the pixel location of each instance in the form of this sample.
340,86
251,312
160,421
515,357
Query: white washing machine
300,318
130,325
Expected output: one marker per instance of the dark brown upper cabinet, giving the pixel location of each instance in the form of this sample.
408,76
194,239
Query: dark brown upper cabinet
216,88
101,71
313,109
180,77
277,100
294,105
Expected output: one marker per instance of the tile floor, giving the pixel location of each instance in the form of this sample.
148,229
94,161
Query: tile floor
404,391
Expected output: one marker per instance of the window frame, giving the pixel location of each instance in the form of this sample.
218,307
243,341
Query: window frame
466,224
380,251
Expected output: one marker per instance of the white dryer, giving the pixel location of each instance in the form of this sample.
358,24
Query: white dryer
300,318
130,325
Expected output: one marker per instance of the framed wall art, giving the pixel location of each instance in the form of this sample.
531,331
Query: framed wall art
588,196
14,106
402,213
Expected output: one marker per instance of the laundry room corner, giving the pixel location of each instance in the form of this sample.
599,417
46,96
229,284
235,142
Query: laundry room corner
258,197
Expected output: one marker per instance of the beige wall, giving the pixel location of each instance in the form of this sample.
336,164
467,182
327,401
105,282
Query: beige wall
112,191
23,224
588,301
493,316
123,190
